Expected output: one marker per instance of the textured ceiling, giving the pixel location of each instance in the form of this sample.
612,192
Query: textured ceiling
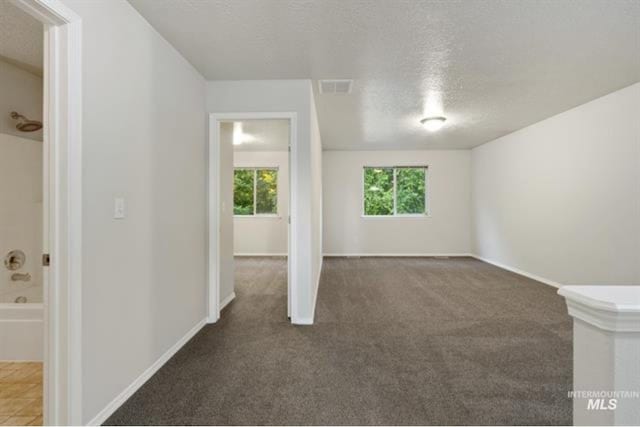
265,135
21,38
490,67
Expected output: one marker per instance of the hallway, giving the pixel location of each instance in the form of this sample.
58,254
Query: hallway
396,341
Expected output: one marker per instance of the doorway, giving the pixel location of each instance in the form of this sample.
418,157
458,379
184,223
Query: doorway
59,257
251,178
21,218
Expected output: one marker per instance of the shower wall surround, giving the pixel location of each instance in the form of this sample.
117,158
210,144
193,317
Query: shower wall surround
20,184
20,91
21,215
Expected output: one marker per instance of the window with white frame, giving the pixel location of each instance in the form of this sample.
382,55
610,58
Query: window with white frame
394,191
255,191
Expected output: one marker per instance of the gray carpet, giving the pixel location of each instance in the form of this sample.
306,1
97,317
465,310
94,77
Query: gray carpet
396,342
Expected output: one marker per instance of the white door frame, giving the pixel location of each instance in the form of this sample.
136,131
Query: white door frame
213,194
62,205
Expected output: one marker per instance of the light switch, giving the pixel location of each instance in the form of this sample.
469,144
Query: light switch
118,208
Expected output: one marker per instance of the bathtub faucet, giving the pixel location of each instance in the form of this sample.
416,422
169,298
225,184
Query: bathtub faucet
21,277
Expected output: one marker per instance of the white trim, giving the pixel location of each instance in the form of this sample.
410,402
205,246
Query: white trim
613,321
213,215
520,272
214,208
397,255
613,298
62,205
261,255
144,377
22,321
227,300
398,216
21,306
258,216
395,192
315,296
305,321
608,307
49,12
292,218
275,166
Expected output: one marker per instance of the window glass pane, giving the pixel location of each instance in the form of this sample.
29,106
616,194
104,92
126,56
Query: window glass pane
267,191
378,191
410,190
243,192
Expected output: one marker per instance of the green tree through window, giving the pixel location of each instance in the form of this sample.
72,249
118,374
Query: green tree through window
378,191
410,185
267,191
243,191
255,191
395,191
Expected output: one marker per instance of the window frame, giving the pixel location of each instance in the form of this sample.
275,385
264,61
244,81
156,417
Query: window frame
427,205
255,170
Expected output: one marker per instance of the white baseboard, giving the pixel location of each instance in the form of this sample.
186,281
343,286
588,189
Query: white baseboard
227,300
419,255
520,272
260,254
144,377
309,320
315,295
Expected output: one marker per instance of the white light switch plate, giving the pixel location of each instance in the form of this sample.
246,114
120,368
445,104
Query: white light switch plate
118,208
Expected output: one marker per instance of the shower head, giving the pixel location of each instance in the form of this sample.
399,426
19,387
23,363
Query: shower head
24,124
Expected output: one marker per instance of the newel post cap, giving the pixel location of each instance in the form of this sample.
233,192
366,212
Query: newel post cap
611,308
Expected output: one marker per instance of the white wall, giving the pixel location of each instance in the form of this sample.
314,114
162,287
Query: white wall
20,91
20,182
21,215
316,200
144,139
561,199
248,96
445,231
264,235
227,232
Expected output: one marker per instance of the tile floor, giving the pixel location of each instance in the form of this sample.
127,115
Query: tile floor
20,393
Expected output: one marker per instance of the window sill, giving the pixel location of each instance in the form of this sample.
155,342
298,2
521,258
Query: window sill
258,216
426,216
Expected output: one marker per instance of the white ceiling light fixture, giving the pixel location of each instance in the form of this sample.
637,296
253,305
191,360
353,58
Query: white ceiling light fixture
237,133
433,124
239,137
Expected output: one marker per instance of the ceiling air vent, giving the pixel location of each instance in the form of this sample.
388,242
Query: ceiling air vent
342,87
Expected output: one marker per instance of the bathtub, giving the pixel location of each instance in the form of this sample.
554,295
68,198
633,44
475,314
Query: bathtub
21,332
